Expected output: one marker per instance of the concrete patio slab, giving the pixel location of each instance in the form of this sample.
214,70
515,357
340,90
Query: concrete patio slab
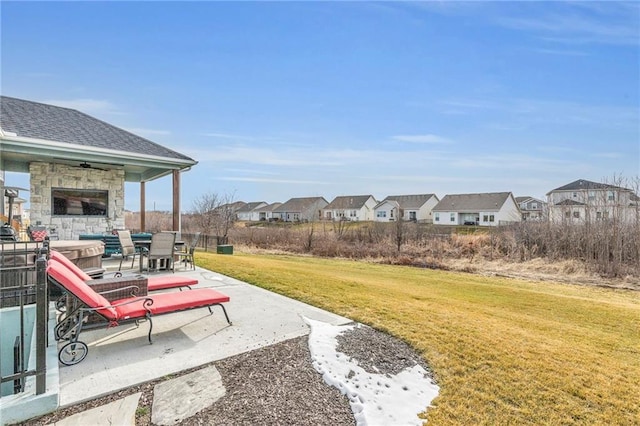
121,357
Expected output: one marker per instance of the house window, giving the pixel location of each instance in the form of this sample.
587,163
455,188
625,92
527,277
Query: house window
574,195
354,213
598,215
452,218
534,206
576,215
485,218
437,218
381,213
567,214
391,213
605,214
491,218
611,196
592,195
296,216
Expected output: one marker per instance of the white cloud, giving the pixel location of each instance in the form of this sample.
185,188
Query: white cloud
561,52
425,139
513,162
228,136
270,180
607,155
571,24
148,132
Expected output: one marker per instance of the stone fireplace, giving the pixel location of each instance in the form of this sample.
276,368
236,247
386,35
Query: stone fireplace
46,176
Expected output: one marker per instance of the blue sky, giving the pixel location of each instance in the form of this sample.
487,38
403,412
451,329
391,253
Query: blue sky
293,99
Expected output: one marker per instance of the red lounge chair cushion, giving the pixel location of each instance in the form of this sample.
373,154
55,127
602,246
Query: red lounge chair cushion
169,281
153,283
76,286
171,302
61,258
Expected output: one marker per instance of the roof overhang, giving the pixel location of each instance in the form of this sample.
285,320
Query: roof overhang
16,153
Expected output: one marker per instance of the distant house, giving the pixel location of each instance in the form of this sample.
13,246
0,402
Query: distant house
245,212
411,207
350,207
387,211
307,209
487,209
264,213
584,200
531,208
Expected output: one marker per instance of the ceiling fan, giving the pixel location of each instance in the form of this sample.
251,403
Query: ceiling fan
87,165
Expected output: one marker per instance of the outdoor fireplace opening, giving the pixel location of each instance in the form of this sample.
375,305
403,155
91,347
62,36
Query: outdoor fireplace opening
79,202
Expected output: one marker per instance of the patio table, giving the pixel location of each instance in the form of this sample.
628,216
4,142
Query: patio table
146,245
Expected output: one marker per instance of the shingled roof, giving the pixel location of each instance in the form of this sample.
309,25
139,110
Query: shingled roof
298,204
36,120
407,202
249,207
269,208
472,203
581,184
346,202
569,202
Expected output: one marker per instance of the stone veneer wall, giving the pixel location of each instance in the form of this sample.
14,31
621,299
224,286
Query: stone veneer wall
45,176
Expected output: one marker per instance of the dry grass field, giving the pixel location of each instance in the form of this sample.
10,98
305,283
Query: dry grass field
504,351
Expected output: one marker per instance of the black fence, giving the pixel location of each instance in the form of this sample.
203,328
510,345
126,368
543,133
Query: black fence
23,284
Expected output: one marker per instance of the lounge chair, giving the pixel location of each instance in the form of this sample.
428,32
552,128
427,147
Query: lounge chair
153,283
131,309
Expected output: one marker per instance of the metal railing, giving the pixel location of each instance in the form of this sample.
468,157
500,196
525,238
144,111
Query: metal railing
23,282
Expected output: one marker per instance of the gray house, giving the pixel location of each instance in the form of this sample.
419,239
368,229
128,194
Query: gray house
531,208
416,207
245,212
307,209
78,166
264,213
486,209
350,207
584,200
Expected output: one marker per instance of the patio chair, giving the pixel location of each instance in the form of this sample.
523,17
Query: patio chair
161,251
186,254
114,313
127,247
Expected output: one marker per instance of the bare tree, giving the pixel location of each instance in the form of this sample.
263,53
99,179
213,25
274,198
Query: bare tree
399,229
214,214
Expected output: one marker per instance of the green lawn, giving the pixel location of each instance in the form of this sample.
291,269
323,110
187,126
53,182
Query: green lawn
504,351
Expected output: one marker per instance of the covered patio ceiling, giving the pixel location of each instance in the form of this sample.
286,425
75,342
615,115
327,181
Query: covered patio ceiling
16,153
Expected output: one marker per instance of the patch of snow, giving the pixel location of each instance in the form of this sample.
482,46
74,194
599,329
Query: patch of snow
376,399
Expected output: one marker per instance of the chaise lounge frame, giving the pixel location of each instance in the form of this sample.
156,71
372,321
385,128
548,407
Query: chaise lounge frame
117,312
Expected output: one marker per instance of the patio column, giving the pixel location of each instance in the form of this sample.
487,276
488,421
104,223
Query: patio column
176,200
142,207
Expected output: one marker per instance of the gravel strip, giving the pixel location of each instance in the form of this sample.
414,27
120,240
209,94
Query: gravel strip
277,385
378,352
